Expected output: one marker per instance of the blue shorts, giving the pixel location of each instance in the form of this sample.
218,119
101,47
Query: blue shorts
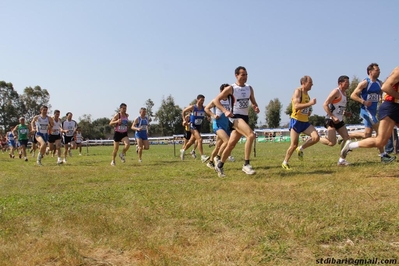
12,143
221,124
195,127
389,109
43,135
141,135
298,126
368,118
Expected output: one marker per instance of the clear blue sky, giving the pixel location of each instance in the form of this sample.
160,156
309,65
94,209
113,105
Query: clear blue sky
93,55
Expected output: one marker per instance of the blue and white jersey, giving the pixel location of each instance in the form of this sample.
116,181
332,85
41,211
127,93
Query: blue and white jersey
372,94
143,123
197,115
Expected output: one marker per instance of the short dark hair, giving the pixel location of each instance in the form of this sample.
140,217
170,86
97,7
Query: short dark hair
342,78
43,107
237,70
200,96
122,105
68,113
224,85
56,111
371,67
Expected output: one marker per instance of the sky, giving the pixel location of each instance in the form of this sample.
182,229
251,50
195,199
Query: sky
92,55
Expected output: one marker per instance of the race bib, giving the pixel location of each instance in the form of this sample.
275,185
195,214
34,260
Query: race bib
373,97
198,121
242,103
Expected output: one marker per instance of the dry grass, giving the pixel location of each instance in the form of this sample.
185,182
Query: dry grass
168,212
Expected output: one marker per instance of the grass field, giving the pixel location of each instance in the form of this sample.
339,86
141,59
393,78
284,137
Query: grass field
168,212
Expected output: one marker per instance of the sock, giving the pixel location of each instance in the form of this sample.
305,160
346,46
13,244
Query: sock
246,162
353,145
220,164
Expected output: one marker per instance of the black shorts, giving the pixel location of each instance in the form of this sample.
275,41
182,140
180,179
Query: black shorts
67,139
53,138
187,135
243,117
23,142
329,123
33,139
118,136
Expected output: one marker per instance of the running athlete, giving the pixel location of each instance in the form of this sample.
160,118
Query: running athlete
388,114
299,123
68,131
197,115
140,125
41,124
120,123
368,94
12,145
22,130
221,127
55,136
79,139
335,106
242,94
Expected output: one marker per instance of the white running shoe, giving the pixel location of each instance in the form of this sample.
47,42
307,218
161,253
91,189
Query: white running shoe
204,158
343,163
64,161
182,154
219,171
215,160
345,150
59,161
231,159
122,156
193,154
211,165
248,169
140,160
112,163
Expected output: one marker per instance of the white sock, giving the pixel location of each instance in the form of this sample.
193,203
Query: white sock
353,145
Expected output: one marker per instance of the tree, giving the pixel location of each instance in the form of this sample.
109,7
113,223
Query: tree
253,118
32,99
352,106
169,117
10,105
317,120
149,104
102,129
288,110
273,110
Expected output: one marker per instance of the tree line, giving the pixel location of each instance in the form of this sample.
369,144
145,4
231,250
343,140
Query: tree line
166,121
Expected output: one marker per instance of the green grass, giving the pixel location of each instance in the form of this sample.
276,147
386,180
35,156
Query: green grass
168,212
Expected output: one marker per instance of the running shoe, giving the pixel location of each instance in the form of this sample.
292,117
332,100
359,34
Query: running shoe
211,165
219,171
122,156
345,150
204,158
343,163
286,166
387,158
248,169
300,154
